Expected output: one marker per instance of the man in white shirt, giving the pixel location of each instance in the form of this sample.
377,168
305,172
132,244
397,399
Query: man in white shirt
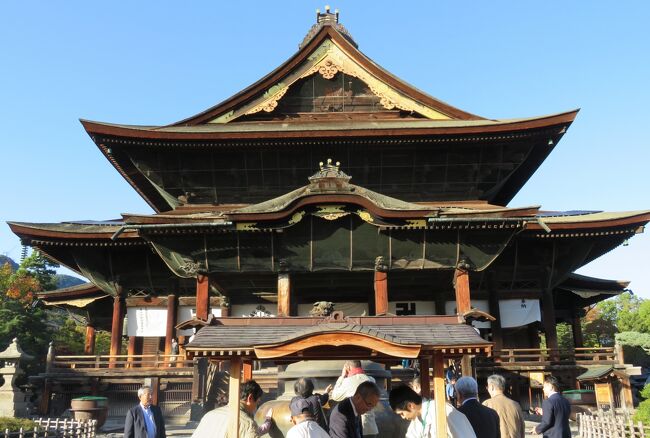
352,375
304,424
421,412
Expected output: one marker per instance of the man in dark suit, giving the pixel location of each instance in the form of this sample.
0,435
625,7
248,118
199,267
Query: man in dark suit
144,420
555,412
345,419
484,421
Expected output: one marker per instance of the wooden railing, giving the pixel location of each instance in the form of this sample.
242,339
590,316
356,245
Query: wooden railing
55,428
119,362
547,356
610,426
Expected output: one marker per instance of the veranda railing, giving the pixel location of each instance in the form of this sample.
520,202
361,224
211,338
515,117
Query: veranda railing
121,361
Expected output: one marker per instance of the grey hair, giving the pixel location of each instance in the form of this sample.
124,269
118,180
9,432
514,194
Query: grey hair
498,381
143,389
466,387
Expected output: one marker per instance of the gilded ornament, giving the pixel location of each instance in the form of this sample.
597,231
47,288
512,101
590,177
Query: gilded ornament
363,214
328,70
247,226
297,217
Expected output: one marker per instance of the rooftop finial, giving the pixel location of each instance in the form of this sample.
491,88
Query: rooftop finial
327,15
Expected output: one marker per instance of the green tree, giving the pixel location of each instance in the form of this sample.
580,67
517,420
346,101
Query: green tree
25,318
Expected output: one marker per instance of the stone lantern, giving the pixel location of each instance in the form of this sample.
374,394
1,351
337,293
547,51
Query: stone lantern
12,400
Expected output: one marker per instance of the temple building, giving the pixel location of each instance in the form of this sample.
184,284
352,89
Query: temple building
330,180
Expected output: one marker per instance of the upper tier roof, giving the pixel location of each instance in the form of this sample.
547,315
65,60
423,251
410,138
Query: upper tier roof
329,98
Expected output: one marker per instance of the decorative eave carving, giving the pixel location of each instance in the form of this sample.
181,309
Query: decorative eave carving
328,60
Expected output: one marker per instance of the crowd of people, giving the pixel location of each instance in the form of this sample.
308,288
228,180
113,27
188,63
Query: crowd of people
357,395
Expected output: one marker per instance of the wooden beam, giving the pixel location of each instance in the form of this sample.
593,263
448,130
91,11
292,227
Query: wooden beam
202,297
89,345
234,388
425,381
461,286
247,372
284,294
336,340
116,329
381,292
439,394
170,331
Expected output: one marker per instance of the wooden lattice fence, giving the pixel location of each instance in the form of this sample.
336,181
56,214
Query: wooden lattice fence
610,426
55,428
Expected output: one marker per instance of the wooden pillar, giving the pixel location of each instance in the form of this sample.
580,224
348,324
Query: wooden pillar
202,297
131,352
170,328
44,407
89,345
439,394
155,390
461,286
425,381
284,294
116,330
548,318
578,341
225,310
466,365
381,293
628,399
381,286
234,388
247,371
497,332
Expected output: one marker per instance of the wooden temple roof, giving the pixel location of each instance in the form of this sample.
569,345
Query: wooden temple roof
272,338
258,118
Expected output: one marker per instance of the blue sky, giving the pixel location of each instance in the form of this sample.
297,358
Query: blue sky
156,62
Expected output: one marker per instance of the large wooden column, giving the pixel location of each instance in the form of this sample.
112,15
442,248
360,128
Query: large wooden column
497,332
170,328
461,286
381,287
130,351
202,297
234,388
439,394
89,345
116,329
284,294
463,305
548,319
578,341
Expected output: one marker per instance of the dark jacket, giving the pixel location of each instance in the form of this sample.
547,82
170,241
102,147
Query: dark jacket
135,427
343,422
484,421
555,417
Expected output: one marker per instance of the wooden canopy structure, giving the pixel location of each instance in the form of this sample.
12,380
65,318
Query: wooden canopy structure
429,339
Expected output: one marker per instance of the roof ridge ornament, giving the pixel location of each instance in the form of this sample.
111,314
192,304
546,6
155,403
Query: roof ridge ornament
329,178
327,18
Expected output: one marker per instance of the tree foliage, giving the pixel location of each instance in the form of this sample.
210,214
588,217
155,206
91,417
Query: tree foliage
25,318
643,410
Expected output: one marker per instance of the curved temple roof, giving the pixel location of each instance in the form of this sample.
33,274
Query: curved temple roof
392,115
